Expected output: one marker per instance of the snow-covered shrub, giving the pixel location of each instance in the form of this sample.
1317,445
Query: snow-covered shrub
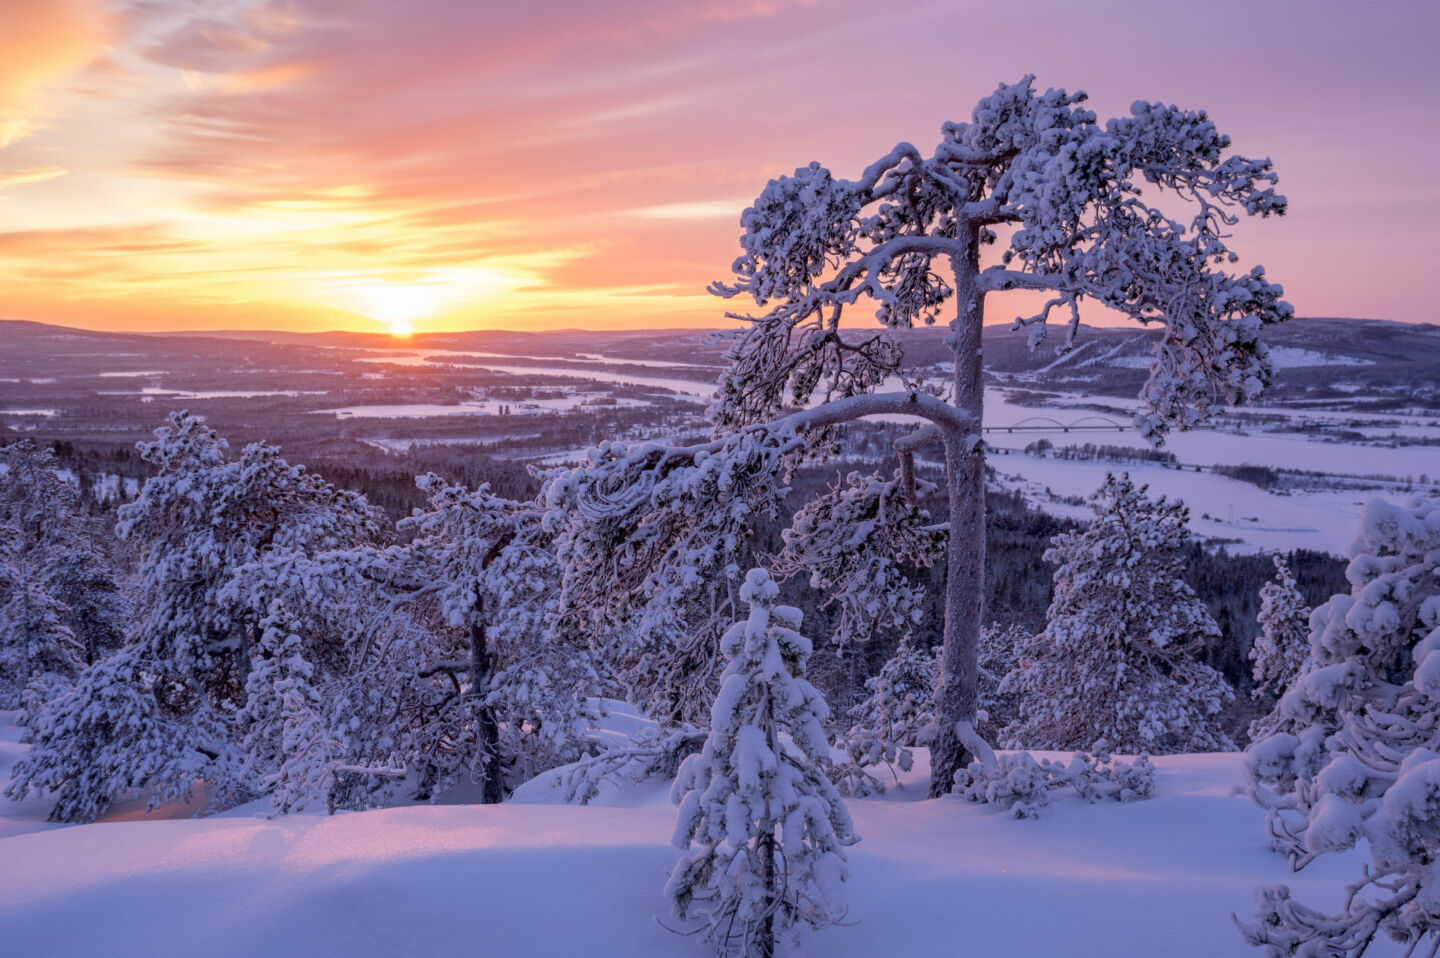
1353,752
653,753
767,826
1117,660
898,712
1018,783
1284,639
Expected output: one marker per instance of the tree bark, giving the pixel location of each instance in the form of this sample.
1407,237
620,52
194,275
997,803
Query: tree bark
765,938
957,693
487,729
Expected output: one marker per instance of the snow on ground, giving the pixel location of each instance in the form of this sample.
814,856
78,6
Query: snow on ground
1321,520
151,393
1220,507
1158,877
1282,357
488,407
686,388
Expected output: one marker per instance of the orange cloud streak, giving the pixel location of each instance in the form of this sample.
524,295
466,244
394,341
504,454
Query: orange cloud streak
559,163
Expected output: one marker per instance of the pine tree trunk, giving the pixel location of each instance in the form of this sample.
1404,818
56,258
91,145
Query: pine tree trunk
958,692
765,939
243,662
487,729
25,664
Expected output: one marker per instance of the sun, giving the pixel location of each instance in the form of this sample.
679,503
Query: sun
395,305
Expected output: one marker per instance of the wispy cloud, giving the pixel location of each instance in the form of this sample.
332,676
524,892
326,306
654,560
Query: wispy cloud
9,179
41,43
694,210
576,163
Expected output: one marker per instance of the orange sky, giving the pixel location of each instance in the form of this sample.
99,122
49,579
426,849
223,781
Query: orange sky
362,164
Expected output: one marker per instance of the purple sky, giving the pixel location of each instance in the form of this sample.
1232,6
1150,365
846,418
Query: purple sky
317,164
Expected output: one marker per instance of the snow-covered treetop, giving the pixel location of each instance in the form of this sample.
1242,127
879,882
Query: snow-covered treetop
37,506
1131,552
1073,196
215,529
468,543
1122,638
1284,639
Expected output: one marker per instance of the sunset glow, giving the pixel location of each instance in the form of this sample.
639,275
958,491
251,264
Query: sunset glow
308,164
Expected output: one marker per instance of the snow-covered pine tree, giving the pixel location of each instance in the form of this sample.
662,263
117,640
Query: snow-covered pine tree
86,581
1072,198
1117,659
481,565
650,567
1284,638
332,702
41,530
1354,751
897,715
769,825
289,742
165,711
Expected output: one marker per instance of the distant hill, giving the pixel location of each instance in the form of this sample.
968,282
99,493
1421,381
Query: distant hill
1315,357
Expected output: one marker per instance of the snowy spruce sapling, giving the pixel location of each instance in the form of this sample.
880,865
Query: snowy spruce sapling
1284,639
763,826
1353,750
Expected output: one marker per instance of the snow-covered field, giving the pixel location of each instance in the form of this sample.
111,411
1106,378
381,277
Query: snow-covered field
485,407
1323,520
1158,877
686,388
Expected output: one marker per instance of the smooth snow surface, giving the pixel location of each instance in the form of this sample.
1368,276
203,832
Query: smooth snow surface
1157,877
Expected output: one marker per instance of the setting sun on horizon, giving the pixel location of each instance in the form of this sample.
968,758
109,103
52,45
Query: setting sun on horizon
258,163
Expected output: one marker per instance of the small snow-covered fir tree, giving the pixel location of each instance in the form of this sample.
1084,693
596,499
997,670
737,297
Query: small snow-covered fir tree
1117,660
1284,638
898,714
1353,750
768,828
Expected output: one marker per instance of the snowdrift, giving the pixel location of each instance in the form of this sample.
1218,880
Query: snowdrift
1158,877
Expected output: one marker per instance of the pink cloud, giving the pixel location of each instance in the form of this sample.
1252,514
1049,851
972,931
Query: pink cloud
444,133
